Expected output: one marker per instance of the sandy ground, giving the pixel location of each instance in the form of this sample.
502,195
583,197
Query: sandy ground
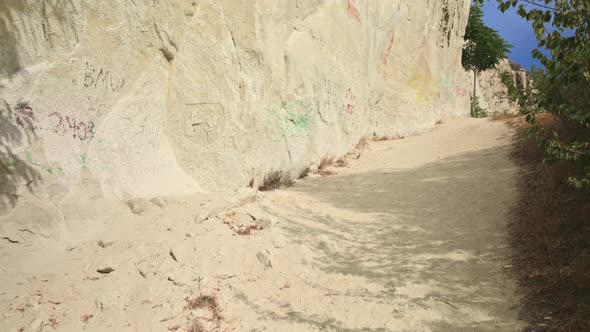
408,237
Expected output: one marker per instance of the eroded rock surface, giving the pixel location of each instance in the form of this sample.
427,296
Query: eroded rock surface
493,94
154,98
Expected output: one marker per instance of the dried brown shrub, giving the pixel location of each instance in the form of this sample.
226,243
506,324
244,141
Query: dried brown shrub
275,180
550,236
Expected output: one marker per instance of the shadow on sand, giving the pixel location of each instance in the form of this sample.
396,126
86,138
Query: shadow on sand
441,225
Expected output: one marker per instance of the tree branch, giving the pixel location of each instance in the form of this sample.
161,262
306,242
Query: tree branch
540,5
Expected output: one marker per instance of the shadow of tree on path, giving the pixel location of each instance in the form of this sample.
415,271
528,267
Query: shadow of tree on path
441,226
292,316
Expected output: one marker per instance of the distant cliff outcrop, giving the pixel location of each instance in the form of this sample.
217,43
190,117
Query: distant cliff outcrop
493,93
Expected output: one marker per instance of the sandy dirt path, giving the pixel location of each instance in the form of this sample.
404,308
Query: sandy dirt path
411,236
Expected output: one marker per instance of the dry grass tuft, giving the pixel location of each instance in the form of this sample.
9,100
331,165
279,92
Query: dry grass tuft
275,180
304,173
342,162
364,141
379,138
196,326
204,302
325,164
550,236
207,302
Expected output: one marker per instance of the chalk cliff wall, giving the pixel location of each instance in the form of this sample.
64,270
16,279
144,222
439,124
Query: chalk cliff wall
115,99
493,94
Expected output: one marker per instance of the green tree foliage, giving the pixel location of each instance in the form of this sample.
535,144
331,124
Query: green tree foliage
484,48
562,27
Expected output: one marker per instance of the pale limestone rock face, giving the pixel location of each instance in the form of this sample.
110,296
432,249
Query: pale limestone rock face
493,94
158,98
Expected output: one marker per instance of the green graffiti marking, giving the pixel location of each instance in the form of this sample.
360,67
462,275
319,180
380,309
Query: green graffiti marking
46,168
295,118
84,161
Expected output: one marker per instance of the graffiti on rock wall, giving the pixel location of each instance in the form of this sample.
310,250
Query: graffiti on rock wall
460,92
204,122
100,78
352,9
62,125
445,90
78,129
421,84
82,161
96,107
294,118
47,168
349,102
449,91
24,116
387,50
86,162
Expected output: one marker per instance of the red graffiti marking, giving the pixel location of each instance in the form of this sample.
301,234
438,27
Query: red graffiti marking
387,52
349,101
460,92
353,10
25,117
79,130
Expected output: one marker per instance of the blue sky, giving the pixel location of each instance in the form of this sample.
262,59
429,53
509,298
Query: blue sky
515,30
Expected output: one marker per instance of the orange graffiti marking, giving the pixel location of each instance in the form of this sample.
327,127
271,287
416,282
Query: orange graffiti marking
387,52
352,10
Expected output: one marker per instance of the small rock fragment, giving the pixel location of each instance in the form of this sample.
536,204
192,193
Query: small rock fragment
264,257
183,251
138,205
354,155
160,202
98,304
36,324
142,273
105,269
87,317
103,244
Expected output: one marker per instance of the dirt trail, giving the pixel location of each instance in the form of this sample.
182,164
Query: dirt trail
409,237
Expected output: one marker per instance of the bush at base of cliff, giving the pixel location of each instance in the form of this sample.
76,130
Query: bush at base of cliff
564,86
476,110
